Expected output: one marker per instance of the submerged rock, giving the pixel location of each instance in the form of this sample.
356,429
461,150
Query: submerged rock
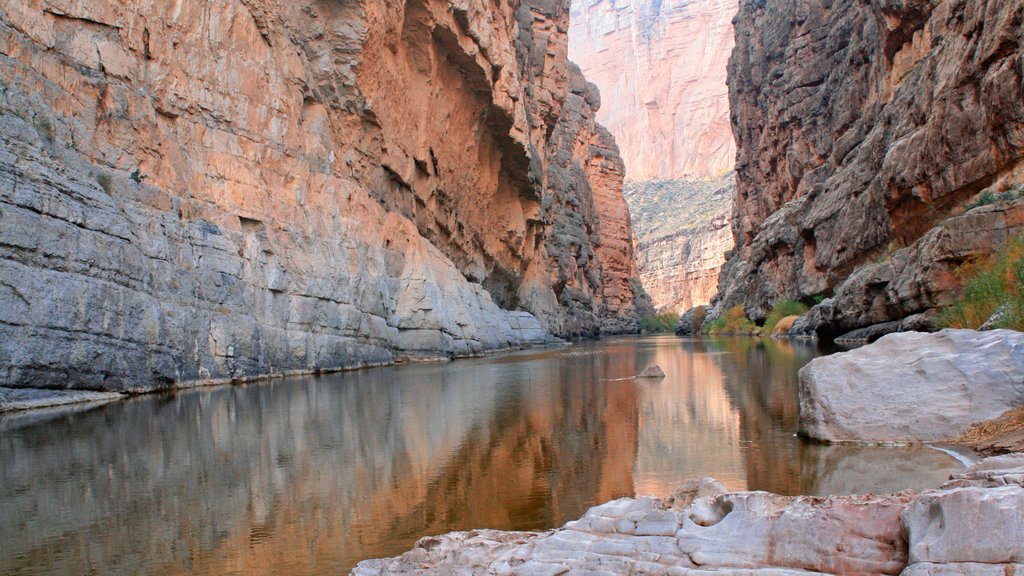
912,387
652,372
756,533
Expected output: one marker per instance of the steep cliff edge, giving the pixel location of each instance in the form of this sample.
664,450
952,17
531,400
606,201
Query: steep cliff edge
863,130
193,192
661,68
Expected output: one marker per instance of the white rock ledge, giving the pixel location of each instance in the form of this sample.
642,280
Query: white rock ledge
15,399
912,387
971,526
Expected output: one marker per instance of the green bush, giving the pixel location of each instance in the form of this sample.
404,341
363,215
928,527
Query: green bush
990,284
660,324
780,310
734,321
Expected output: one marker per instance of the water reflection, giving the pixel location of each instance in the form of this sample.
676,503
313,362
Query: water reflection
310,475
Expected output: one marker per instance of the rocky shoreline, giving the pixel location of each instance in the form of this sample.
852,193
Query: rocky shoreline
969,526
756,533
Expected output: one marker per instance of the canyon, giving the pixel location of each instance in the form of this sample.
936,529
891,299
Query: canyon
198,193
661,68
869,137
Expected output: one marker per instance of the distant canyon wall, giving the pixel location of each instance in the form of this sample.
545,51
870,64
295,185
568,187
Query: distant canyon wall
218,191
683,232
661,67
864,131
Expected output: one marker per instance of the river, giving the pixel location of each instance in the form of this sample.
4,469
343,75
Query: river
310,475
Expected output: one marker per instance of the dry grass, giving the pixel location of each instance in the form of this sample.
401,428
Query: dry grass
993,283
988,432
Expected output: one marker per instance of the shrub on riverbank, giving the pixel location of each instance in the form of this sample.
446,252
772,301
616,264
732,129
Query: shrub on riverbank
734,321
660,324
991,285
780,310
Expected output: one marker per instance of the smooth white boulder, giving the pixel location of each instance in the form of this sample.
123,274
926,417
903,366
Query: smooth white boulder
912,387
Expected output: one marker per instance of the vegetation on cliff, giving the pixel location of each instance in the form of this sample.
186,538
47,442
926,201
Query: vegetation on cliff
780,310
734,321
993,289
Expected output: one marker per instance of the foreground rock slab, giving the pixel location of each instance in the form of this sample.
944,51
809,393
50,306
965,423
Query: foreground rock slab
912,387
757,533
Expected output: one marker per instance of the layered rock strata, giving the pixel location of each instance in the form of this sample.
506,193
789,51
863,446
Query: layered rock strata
661,67
860,127
912,282
705,531
193,192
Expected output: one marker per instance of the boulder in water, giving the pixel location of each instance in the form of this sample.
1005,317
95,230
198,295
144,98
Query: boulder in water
912,387
652,372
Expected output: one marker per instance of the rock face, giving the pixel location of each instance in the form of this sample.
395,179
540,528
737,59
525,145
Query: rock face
662,65
661,68
682,235
860,127
913,281
912,387
757,533
199,192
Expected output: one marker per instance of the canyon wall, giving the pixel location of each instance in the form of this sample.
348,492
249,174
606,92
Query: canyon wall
661,68
194,191
865,131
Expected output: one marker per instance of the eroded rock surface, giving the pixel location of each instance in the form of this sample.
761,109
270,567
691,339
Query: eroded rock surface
193,192
757,533
912,386
860,127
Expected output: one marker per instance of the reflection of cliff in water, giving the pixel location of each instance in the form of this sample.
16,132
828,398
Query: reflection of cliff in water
313,475
761,377
689,427
310,475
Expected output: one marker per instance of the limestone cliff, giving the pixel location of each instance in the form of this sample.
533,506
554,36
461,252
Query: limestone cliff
863,130
194,191
661,68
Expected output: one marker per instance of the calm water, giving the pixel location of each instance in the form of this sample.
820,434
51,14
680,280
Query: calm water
310,475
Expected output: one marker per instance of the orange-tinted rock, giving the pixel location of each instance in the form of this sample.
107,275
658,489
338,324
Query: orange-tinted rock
860,127
661,68
193,192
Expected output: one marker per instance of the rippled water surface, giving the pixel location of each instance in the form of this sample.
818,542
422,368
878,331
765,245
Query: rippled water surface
310,475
